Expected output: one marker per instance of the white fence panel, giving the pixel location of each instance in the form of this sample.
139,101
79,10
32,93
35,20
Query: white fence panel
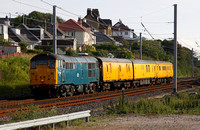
47,120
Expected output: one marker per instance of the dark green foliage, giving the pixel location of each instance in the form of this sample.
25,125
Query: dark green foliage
70,52
33,112
185,103
4,42
117,51
15,74
44,48
34,51
89,49
23,46
101,53
107,46
123,53
36,18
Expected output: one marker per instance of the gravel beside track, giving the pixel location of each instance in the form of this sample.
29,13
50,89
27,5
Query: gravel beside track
141,122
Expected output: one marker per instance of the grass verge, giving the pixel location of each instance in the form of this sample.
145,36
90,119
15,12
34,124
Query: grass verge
182,103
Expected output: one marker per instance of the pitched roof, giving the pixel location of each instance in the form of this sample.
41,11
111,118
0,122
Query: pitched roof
71,25
59,31
103,38
120,26
13,36
26,34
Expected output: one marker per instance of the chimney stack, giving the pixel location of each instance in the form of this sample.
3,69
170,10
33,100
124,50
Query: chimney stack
80,21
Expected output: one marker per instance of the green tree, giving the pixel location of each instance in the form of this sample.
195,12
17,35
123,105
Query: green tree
70,52
4,42
36,18
23,46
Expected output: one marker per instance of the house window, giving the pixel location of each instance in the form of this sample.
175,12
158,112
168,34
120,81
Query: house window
126,33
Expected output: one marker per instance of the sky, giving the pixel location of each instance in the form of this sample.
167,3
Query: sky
156,15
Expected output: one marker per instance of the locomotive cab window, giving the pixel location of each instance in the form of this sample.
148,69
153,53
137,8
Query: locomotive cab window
43,62
52,64
33,65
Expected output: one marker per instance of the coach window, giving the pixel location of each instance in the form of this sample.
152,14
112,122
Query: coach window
146,69
91,73
149,68
110,68
59,64
91,65
70,66
160,68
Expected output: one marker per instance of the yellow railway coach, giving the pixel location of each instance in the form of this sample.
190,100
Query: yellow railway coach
151,72
114,72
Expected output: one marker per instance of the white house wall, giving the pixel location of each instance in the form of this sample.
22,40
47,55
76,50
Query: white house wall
82,37
123,34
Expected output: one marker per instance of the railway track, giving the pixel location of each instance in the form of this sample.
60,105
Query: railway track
6,108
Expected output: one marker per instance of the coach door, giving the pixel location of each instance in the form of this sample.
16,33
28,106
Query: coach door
119,72
61,71
107,71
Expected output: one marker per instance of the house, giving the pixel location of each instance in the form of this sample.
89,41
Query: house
60,33
96,23
121,30
9,50
74,30
27,36
61,44
4,31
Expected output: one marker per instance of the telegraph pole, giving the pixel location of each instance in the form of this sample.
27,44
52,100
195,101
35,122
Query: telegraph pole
175,48
192,63
54,31
140,46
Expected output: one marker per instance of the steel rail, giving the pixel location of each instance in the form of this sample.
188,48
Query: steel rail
89,100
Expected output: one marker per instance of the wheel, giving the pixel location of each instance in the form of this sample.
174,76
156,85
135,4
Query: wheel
71,91
86,89
63,91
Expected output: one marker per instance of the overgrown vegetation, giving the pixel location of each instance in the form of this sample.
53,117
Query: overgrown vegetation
182,103
14,74
33,112
4,42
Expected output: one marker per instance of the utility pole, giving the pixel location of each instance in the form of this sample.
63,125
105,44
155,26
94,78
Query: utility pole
23,18
175,48
54,31
192,63
140,46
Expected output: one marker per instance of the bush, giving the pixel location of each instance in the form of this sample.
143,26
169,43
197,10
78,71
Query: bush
23,46
176,104
35,51
15,74
33,112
